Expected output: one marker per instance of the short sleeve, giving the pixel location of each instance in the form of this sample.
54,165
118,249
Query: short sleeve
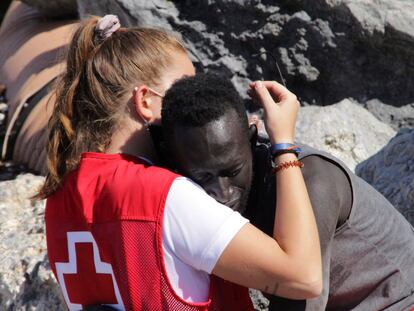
196,228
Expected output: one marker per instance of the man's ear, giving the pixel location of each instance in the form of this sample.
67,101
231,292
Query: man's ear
142,104
253,135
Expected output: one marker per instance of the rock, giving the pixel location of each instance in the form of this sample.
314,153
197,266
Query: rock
345,130
26,281
360,29
397,117
391,172
55,8
260,302
327,50
10,170
378,17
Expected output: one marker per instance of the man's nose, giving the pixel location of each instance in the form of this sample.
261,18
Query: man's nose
221,190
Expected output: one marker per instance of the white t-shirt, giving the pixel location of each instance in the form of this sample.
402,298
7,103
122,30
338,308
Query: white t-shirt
196,229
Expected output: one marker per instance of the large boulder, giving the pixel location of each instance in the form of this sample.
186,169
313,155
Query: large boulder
396,117
26,281
391,172
327,50
345,130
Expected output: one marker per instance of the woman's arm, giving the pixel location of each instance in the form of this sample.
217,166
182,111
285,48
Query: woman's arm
288,265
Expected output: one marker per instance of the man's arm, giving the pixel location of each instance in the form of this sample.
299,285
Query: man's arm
331,197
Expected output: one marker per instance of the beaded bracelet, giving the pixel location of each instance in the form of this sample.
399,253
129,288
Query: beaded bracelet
285,165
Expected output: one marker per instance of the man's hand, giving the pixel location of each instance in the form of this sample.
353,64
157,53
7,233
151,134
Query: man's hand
280,109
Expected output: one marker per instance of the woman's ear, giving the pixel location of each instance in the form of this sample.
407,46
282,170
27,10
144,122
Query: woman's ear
142,104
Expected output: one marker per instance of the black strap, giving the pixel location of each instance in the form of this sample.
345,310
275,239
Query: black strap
27,108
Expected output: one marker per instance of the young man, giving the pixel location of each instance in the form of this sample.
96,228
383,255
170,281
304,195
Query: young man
367,246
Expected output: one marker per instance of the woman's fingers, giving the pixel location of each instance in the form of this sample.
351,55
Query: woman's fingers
280,107
263,95
278,90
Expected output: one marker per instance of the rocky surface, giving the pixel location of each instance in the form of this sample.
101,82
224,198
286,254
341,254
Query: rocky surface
346,130
327,50
396,117
26,281
391,172
260,302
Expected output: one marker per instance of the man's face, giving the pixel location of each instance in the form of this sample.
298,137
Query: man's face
218,157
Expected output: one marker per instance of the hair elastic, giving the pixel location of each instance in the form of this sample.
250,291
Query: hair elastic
106,26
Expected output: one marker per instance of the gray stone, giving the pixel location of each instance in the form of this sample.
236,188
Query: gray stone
391,172
26,281
382,16
260,302
328,50
345,130
397,117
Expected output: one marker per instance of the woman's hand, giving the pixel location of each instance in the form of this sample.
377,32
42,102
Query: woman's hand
280,109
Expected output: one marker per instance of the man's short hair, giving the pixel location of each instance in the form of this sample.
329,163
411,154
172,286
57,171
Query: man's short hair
197,100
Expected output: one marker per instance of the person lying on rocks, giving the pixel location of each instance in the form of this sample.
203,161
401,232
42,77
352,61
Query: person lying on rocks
30,63
367,245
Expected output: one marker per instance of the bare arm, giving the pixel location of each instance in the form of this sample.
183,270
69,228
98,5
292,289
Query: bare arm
289,264
331,197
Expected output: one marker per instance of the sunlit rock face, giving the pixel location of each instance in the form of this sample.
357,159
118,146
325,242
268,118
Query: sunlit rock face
346,130
26,281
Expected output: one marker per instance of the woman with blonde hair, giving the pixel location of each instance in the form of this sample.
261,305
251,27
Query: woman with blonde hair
107,201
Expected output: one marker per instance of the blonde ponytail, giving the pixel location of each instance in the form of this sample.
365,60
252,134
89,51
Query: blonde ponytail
93,92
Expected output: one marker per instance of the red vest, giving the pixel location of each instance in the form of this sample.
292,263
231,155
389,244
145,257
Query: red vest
104,229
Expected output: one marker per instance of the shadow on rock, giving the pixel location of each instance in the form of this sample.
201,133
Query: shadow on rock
391,172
